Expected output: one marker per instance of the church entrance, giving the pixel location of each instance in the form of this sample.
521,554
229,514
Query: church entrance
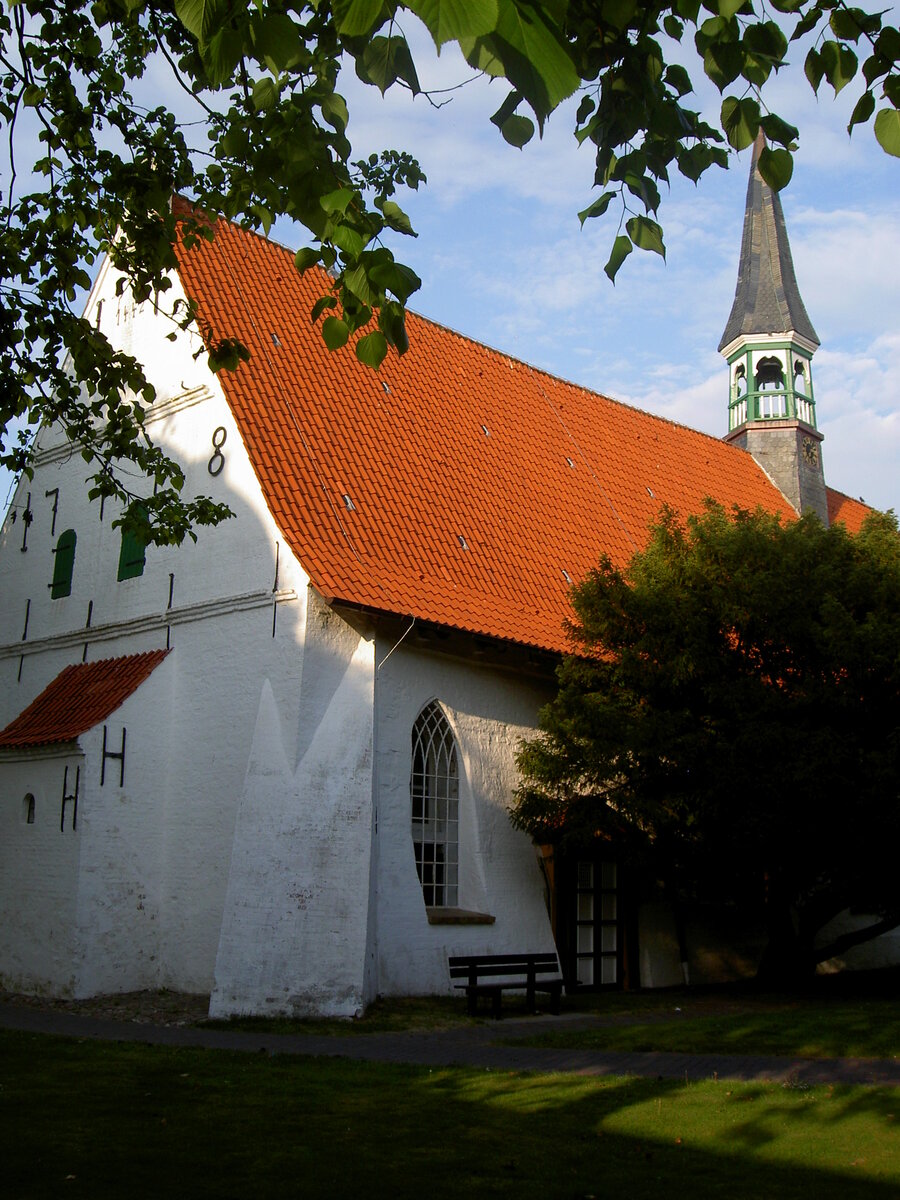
589,921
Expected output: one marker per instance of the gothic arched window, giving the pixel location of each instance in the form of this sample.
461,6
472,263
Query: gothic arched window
434,793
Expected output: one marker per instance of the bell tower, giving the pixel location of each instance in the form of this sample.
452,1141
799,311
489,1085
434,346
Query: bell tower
768,343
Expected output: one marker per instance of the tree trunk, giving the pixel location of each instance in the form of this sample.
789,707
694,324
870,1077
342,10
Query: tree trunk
788,959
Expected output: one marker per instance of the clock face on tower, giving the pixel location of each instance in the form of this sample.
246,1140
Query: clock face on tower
810,452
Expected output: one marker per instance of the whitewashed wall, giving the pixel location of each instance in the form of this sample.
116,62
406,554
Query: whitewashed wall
166,843
296,917
38,876
489,712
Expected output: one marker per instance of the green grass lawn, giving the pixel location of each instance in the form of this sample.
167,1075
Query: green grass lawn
692,1021
808,1029
98,1120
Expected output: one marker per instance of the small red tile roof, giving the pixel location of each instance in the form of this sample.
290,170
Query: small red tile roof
455,484
79,698
848,511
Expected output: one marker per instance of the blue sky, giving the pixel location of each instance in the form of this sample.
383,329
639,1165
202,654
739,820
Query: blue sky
504,260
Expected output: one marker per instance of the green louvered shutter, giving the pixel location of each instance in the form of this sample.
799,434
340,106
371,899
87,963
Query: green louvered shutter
63,565
132,555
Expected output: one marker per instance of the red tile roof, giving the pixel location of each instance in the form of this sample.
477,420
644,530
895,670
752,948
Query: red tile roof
455,484
78,698
843,508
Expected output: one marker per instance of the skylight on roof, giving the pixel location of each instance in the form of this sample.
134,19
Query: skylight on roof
348,503
566,575
485,431
463,544
569,462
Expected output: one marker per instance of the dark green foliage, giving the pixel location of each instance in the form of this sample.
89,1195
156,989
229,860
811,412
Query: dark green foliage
92,170
732,721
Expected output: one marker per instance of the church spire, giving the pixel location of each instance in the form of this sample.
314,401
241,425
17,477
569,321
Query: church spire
768,343
766,299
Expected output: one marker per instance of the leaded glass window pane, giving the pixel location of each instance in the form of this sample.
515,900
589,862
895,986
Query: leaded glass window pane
434,795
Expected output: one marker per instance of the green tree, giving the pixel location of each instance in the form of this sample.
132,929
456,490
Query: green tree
731,722
92,169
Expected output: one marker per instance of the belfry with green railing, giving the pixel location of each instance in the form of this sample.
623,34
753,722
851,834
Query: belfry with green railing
768,343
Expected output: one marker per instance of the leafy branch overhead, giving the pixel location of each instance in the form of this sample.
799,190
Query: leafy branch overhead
254,128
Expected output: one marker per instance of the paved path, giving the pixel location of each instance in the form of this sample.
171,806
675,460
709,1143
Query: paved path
472,1046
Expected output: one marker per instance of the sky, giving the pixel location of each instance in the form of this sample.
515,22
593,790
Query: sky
503,258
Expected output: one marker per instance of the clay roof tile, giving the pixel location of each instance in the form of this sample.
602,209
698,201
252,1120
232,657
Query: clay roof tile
79,698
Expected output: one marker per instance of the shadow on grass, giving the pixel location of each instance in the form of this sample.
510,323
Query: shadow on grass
100,1120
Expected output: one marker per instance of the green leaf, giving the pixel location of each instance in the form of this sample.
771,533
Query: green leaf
306,258
349,239
264,216
334,110
396,218
384,61
585,108
335,332
357,283
814,69
392,323
597,208
646,234
227,355
617,14
722,63
372,349
320,305
678,79
839,64
779,131
221,54
534,57
394,277
862,110
356,18
740,121
776,167
728,8
201,17
518,131
887,130
278,41
451,20
847,24
480,54
620,251
507,108
265,93
339,201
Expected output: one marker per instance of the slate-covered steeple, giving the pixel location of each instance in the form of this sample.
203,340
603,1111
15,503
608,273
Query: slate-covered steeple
768,343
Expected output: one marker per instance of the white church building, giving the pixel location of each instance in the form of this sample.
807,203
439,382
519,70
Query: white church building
276,765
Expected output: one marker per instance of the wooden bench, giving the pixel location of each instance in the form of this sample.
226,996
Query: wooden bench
489,974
